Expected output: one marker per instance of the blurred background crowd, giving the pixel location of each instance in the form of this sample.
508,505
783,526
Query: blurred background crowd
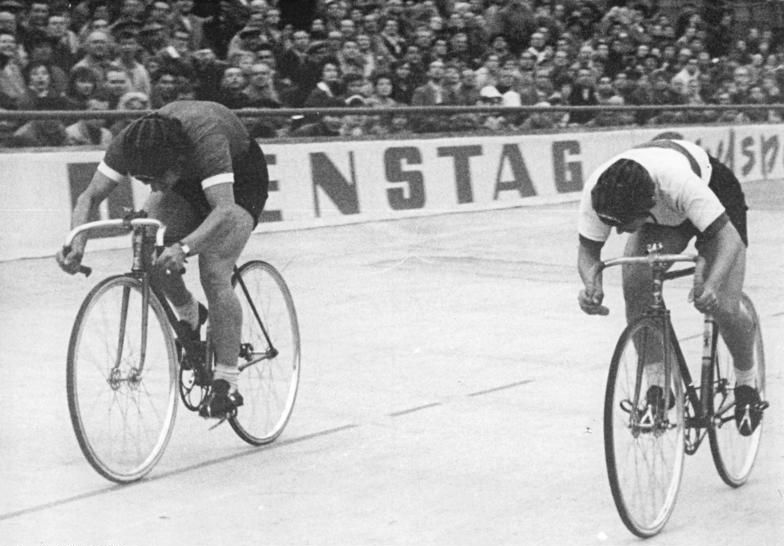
97,55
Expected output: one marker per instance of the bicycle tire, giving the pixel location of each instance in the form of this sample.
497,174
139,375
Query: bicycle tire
655,452
108,384
269,387
733,454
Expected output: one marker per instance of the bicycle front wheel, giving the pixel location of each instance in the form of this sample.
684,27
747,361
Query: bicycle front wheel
643,437
734,454
121,380
269,360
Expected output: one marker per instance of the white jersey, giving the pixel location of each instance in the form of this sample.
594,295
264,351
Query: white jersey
681,193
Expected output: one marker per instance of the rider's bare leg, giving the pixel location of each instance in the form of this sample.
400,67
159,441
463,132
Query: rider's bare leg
216,266
735,322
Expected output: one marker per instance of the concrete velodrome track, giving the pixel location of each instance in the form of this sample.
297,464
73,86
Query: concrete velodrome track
451,394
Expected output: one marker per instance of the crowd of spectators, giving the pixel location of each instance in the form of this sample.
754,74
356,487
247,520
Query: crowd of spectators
142,54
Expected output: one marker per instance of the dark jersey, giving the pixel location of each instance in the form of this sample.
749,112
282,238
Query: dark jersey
217,137
221,151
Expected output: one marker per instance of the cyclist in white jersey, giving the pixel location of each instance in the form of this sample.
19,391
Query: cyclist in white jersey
670,191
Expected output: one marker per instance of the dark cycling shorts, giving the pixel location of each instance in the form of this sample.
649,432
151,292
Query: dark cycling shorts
727,188
251,183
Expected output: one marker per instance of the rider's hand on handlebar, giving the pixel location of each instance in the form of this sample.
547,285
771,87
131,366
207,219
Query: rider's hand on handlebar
706,298
590,300
70,258
172,259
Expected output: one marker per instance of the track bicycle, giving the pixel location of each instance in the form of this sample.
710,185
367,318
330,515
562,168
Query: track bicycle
646,437
130,359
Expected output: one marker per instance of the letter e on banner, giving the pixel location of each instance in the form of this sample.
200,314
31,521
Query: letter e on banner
271,215
342,192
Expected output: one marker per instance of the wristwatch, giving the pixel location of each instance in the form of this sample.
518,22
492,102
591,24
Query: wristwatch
185,248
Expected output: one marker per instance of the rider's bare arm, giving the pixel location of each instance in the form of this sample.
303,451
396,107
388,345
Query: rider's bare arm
588,258
727,244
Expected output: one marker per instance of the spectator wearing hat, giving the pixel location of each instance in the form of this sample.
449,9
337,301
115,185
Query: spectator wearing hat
90,131
131,12
128,49
249,38
153,37
207,76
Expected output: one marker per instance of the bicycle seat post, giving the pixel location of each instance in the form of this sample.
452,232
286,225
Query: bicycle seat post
142,252
658,269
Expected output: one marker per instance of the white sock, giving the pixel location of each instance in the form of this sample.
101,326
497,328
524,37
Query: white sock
189,312
746,377
230,374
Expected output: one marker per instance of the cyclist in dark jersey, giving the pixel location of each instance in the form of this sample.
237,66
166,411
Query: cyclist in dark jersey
209,184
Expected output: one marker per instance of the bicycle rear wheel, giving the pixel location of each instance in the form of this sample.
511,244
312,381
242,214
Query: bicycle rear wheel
644,448
270,354
734,454
121,387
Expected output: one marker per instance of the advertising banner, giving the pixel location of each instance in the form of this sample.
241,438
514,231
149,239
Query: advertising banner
335,182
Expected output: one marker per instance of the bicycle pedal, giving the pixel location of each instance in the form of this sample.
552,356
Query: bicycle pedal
219,423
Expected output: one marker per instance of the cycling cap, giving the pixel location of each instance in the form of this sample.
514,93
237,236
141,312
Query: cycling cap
623,192
153,143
